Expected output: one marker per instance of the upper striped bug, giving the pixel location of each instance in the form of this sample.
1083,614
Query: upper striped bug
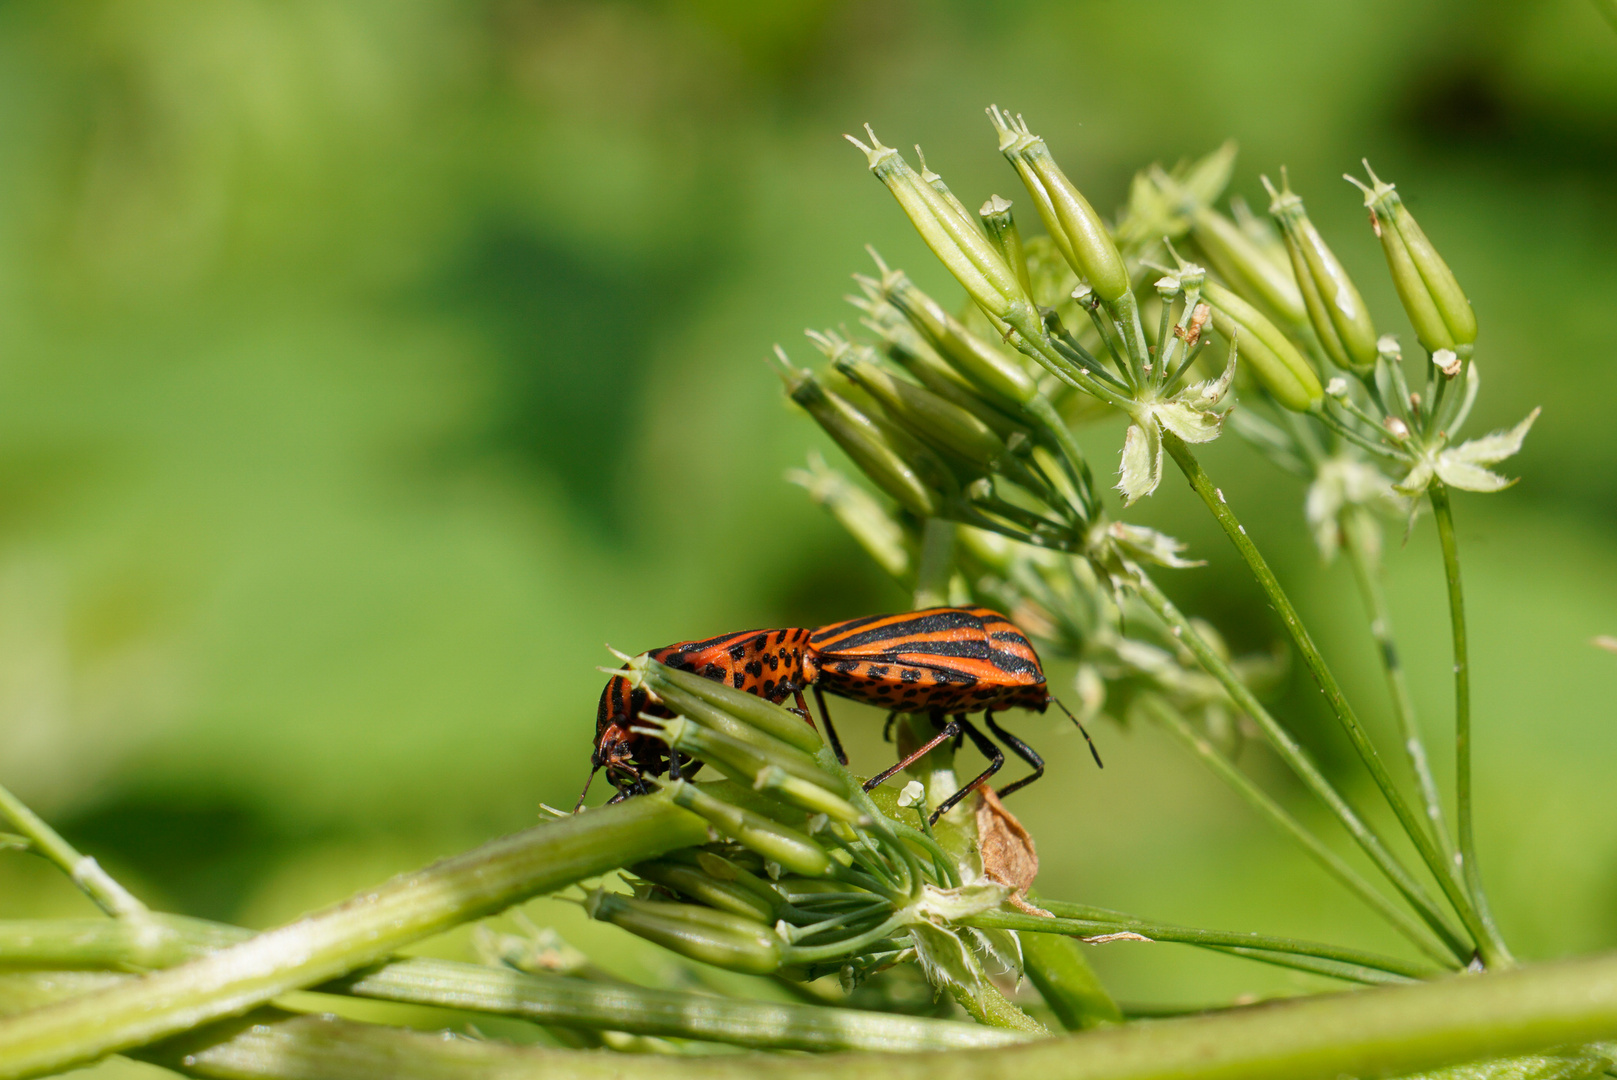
940,661
768,663
944,662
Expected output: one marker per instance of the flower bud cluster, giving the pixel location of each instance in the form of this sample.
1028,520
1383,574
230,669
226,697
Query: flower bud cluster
803,875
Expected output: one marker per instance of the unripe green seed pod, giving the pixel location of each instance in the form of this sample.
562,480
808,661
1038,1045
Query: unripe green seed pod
1335,308
794,850
1078,231
984,366
906,348
1272,359
1432,297
687,692
948,230
943,425
1246,266
864,443
714,937
1000,225
725,895
741,760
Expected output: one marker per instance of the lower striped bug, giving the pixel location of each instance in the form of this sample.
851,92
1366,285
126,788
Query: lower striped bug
768,663
946,662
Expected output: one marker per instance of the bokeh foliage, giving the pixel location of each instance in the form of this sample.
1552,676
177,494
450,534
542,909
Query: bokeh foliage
365,366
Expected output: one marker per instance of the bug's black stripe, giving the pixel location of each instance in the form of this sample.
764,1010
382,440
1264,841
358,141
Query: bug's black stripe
968,650
930,622
1012,664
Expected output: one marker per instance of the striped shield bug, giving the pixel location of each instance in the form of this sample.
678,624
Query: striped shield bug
768,663
943,661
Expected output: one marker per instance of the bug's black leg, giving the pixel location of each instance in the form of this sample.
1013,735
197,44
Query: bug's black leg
619,797
887,728
830,729
580,804
673,764
1021,750
947,732
996,759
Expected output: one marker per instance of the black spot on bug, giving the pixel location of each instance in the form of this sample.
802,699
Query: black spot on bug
847,667
769,687
737,679
755,668
878,671
737,651
774,662
712,671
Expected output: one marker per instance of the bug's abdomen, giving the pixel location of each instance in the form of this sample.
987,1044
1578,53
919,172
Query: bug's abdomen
949,659
768,663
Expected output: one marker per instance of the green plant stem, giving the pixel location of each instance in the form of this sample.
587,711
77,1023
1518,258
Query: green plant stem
341,939
86,873
1446,874
1443,513
1387,1031
936,563
1329,860
1292,753
1185,935
543,998
1361,539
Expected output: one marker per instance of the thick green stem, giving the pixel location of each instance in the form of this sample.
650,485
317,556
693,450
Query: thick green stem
1387,1031
1361,538
86,873
1185,935
544,999
1329,860
341,939
1295,757
1445,872
1442,510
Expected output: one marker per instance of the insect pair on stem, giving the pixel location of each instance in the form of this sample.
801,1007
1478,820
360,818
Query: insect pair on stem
944,662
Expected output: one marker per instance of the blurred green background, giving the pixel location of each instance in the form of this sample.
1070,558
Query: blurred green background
364,367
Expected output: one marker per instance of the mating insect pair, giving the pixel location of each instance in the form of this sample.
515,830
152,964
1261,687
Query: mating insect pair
946,662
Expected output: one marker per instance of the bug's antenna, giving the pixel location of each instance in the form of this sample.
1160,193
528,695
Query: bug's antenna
1093,752
580,804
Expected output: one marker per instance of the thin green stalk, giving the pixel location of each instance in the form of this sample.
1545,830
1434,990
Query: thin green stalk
1443,513
1292,753
86,873
1332,863
1186,935
1314,965
1361,538
341,939
1445,872
1387,1031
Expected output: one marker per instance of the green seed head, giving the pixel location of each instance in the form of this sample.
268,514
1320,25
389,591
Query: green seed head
1432,297
700,933
1271,358
1077,229
1335,308
866,444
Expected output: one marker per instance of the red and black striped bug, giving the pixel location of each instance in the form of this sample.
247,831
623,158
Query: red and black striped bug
945,662
941,661
768,663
